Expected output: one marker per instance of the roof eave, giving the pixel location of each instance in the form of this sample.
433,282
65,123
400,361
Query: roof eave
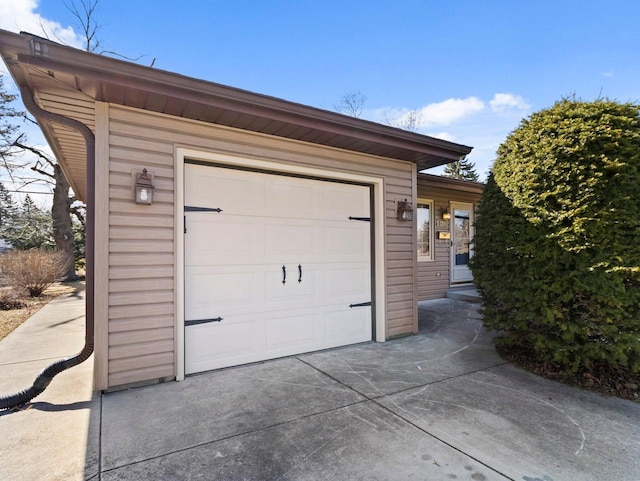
100,71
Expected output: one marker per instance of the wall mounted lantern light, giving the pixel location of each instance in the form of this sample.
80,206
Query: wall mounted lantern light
445,214
404,210
144,188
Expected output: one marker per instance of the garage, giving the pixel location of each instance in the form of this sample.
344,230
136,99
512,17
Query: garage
275,265
268,228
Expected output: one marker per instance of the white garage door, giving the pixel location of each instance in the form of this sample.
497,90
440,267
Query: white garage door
280,270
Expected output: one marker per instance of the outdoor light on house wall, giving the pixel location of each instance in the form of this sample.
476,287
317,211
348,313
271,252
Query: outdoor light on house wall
404,210
445,214
144,188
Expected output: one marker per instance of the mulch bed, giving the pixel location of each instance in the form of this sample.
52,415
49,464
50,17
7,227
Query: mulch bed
623,384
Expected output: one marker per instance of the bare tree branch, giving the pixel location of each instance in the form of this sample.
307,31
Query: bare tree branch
411,120
9,168
351,104
86,17
32,180
41,172
116,54
29,119
78,211
18,143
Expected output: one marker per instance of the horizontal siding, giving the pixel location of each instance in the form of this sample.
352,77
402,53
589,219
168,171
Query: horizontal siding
129,324
141,239
433,277
156,371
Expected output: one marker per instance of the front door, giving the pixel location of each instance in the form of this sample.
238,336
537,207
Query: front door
461,242
274,266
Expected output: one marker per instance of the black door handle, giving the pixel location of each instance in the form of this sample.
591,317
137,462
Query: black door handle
299,273
284,275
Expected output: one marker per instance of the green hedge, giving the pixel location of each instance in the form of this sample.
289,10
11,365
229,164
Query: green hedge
557,245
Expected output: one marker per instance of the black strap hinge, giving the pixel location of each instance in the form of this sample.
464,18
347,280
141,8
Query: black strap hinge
190,208
361,304
202,321
364,219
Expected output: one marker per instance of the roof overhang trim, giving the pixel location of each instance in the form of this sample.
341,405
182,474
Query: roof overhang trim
98,76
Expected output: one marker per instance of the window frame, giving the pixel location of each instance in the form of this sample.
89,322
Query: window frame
431,205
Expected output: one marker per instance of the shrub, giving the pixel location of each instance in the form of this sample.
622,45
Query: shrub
557,249
9,301
33,270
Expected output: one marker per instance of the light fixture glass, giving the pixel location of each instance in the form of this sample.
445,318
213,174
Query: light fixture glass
404,211
144,188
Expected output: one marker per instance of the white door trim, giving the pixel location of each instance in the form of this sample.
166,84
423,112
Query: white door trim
225,159
462,206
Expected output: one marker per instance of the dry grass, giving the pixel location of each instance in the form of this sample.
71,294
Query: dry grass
11,319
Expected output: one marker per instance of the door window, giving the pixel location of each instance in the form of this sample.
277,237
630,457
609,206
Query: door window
462,236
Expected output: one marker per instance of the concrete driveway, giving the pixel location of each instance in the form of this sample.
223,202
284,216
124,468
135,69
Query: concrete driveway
438,406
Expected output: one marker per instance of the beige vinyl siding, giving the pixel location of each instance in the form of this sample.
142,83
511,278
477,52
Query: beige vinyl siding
141,238
141,262
433,277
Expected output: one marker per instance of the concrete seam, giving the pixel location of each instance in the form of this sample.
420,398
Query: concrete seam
378,398
29,360
443,380
253,431
334,379
402,390
232,436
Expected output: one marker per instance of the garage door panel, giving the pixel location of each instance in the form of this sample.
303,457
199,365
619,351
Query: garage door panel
292,294
232,341
214,292
347,326
290,332
344,200
234,260
291,198
350,284
290,240
216,187
212,239
350,240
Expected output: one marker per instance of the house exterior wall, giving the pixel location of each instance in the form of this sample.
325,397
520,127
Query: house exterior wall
434,277
142,262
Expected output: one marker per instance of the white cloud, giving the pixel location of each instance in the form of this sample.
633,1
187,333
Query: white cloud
608,74
21,15
502,101
432,115
481,124
449,111
443,136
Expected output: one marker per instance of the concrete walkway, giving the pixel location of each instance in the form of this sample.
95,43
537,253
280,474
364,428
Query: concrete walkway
438,406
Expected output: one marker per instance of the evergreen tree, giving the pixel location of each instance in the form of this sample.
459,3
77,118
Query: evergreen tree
557,245
8,210
462,169
13,142
29,227
8,128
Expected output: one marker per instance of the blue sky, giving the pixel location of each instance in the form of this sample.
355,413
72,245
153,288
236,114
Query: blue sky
473,69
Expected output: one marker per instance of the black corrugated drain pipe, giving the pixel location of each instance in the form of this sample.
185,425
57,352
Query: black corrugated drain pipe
45,377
